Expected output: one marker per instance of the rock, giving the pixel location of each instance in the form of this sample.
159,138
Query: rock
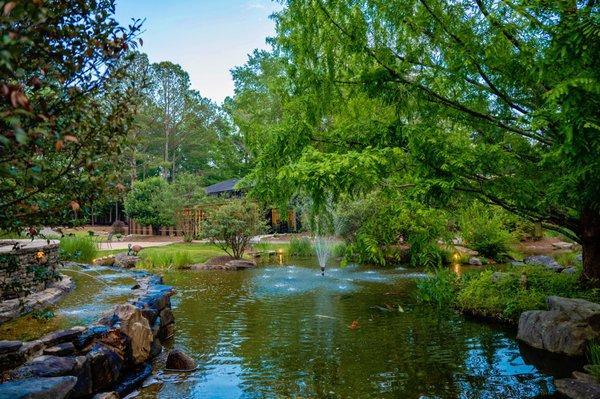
474,261
9,361
90,335
105,365
517,263
126,261
566,327
84,387
576,389
240,264
118,342
32,349
133,380
158,297
46,366
579,258
64,349
166,317
178,360
137,328
105,261
106,395
156,348
150,314
584,377
569,270
10,346
59,337
165,332
544,260
498,276
563,245
38,388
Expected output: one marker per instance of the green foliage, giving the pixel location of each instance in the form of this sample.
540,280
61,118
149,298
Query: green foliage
509,296
438,288
495,100
232,225
146,203
483,230
78,249
301,247
43,314
593,355
378,227
567,259
340,250
65,109
166,259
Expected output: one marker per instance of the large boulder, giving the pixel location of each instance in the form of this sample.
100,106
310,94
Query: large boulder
38,388
178,360
105,365
566,327
544,260
46,366
136,327
577,388
125,261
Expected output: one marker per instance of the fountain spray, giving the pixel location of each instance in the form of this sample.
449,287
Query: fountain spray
323,250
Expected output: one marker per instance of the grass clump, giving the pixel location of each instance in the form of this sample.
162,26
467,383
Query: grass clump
78,249
505,296
567,259
594,359
301,247
166,259
439,288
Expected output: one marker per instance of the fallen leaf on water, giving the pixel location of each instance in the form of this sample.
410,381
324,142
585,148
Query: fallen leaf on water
354,325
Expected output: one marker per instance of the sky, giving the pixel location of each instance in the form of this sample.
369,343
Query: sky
206,37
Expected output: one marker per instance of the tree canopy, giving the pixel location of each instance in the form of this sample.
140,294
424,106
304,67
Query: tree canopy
495,99
63,118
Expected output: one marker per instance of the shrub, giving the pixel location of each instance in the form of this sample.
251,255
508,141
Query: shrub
166,260
146,203
483,230
340,250
119,228
232,225
439,288
301,247
78,249
511,294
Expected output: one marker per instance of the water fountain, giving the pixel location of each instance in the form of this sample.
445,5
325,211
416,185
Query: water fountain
323,249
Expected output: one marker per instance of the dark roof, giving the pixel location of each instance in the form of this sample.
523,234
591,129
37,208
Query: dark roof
222,187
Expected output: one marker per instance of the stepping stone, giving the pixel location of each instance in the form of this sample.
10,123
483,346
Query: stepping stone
63,349
38,388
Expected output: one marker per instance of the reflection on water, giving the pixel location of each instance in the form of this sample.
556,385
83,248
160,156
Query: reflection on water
282,331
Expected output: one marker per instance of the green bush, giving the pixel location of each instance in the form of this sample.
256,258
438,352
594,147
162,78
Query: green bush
439,288
301,247
78,249
567,259
483,230
340,250
513,294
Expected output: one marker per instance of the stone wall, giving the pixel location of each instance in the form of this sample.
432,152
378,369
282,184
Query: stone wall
27,267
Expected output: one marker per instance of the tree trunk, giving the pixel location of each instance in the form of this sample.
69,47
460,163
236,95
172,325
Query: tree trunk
590,241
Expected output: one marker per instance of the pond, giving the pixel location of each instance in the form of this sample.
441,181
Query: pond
98,290
285,331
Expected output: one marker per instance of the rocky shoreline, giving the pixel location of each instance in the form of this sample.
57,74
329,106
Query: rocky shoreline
108,359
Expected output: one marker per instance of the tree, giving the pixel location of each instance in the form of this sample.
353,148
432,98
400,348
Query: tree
62,122
495,99
232,225
147,204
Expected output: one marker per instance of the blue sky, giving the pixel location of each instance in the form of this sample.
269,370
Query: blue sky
206,37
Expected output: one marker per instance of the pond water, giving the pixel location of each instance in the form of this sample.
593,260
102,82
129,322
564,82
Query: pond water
285,331
98,290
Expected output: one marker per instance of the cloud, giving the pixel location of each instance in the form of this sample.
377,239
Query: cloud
257,5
